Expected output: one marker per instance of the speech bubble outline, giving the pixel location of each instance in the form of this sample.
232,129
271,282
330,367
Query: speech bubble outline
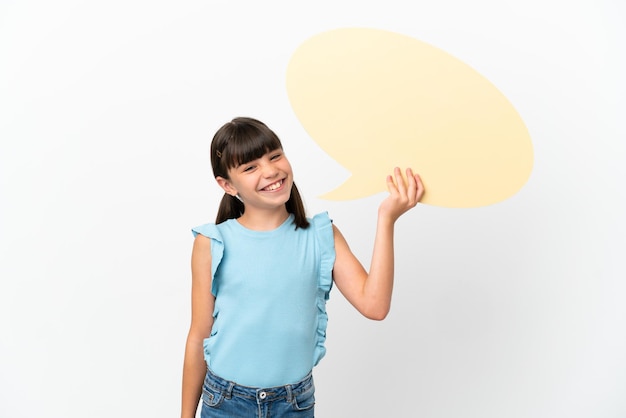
374,100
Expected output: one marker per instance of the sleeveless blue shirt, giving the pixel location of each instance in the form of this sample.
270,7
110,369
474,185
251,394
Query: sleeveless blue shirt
270,288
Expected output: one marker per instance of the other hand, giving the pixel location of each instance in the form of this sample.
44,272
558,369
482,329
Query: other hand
403,195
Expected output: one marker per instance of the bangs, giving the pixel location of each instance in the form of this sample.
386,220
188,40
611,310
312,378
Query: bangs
249,143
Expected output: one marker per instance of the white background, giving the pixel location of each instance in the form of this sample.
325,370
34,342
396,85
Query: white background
106,113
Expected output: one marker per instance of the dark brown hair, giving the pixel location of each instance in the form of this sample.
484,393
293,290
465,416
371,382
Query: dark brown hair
241,141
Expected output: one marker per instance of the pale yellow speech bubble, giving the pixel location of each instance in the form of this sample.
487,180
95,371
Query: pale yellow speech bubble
374,100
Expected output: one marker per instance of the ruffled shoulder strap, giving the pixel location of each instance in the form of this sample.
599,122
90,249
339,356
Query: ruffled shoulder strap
326,241
323,228
217,248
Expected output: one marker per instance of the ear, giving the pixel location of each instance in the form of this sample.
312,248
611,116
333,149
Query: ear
226,185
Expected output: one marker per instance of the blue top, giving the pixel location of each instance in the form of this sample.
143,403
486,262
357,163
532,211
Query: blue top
270,289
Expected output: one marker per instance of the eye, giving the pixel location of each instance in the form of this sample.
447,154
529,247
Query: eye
248,168
276,156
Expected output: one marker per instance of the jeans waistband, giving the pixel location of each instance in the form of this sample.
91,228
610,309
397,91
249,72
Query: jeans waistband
269,394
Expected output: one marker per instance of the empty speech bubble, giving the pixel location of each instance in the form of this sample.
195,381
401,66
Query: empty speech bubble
374,100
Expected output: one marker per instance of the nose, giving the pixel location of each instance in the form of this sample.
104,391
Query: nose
269,170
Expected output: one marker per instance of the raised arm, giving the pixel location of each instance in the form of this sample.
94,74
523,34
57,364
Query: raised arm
370,293
202,303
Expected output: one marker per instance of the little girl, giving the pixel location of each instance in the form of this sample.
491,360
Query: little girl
261,275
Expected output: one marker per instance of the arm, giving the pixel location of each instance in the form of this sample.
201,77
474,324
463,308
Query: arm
370,293
202,303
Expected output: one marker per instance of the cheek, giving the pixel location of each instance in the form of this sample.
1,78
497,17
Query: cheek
249,183
287,167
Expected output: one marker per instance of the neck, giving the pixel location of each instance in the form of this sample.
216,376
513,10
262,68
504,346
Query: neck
261,220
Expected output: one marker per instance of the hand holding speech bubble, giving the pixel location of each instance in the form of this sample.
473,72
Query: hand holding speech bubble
374,100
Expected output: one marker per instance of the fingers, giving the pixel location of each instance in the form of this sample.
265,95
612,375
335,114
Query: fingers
391,185
403,194
401,186
419,187
412,190
411,185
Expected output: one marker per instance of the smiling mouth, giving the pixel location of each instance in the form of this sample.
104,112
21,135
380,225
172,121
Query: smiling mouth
274,186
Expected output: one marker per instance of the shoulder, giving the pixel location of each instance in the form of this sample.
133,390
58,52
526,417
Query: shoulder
208,242
201,248
209,230
338,237
321,220
322,226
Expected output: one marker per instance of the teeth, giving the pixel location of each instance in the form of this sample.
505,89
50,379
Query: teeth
274,186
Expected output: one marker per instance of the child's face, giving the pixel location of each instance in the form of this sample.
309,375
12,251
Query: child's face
264,183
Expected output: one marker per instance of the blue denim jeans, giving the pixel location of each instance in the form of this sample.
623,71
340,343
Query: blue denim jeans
222,398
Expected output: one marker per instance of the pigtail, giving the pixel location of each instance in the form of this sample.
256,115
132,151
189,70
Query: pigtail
230,208
296,206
